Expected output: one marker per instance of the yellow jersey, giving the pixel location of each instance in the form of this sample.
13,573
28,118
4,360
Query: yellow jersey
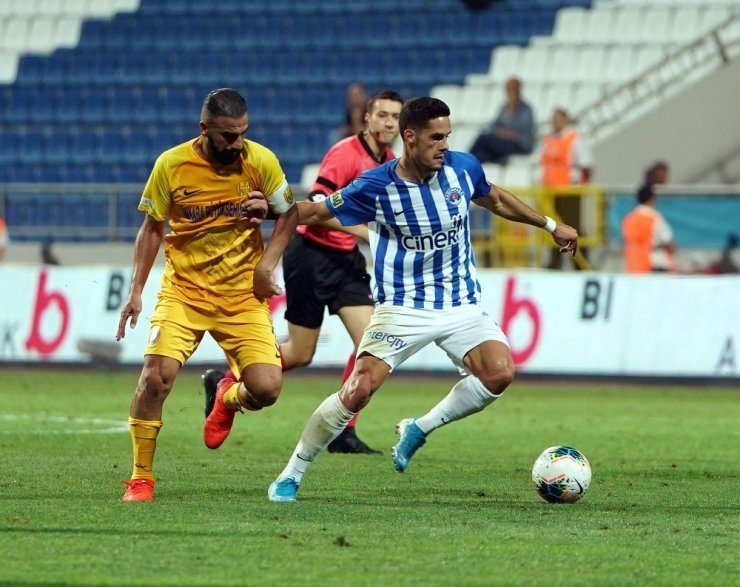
211,245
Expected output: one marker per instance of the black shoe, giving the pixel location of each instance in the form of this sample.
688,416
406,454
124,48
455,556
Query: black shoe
347,442
210,381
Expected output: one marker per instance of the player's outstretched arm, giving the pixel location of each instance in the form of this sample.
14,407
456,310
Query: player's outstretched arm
263,282
505,204
359,230
313,212
148,241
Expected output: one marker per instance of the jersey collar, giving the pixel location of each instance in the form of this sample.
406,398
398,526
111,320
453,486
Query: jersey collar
368,149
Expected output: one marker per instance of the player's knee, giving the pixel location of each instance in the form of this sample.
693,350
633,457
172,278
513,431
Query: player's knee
154,385
265,391
498,378
358,389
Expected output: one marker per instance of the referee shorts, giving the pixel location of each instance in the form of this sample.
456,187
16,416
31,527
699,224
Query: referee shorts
317,277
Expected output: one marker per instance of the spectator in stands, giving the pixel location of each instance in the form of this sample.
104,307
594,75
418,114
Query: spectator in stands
511,133
215,190
648,238
657,174
354,117
47,254
726,264
4,238
565,160
565,156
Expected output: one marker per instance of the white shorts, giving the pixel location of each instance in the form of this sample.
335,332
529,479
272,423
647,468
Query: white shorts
396,333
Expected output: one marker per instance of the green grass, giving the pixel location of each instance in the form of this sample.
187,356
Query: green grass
662,509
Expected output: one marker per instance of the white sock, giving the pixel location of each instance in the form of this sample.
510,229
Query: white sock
467,397
324,425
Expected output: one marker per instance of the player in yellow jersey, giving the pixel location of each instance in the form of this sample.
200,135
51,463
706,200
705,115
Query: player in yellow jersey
215,189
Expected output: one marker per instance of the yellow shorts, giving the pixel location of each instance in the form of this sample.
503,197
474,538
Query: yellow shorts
241,325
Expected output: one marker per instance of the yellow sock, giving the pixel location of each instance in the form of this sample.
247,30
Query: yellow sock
144,441
234,401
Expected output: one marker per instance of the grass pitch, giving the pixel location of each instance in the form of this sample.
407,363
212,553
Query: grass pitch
662,508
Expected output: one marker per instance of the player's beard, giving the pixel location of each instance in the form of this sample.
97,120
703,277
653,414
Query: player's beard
224,156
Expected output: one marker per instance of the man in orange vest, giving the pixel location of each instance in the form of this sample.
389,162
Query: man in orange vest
566,155
565,159
4,238
648,238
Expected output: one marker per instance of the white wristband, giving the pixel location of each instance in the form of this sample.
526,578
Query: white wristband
550,224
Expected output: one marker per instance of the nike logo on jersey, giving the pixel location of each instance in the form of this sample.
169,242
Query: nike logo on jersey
191,192
402,211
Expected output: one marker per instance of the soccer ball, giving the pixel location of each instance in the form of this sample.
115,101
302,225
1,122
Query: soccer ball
561,474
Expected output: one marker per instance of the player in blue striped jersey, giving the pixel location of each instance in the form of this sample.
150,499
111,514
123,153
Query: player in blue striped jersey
426,288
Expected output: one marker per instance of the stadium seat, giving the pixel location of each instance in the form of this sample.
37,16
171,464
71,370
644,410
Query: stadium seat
534,63
463,135
520,170
479,104
683,27
654,25
505,63
308,175
569,25
120,87
15,35
620,64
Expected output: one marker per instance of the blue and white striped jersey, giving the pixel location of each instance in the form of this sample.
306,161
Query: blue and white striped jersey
419,233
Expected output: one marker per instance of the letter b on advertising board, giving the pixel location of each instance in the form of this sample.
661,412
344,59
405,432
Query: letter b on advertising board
518,308
47,334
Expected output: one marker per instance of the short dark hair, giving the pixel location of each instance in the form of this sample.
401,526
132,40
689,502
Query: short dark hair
417,112
225,102
645,194
653,169
383,95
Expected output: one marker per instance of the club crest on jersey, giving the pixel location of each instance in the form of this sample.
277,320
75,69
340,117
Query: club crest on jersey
243,189
336,199
454,195
288,195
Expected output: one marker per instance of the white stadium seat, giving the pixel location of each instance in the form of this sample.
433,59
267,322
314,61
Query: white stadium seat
569,25
479,104
506,62
308,175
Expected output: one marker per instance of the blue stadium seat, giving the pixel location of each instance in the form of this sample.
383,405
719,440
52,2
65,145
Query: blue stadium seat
9,147
137,80
59,147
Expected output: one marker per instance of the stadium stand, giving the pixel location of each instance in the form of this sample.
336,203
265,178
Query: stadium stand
142,71
100,87
591,52
95,89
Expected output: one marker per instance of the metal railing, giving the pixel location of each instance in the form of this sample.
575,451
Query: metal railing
507,244
668,76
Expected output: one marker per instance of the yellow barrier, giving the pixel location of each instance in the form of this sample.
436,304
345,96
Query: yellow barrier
510,244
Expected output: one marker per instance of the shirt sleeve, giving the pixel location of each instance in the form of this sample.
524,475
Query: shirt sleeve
156,197
355,204
582,154
335,172
474,169
663,233
526,128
